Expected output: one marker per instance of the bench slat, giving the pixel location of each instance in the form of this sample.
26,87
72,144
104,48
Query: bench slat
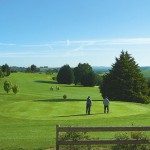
90,142
102,129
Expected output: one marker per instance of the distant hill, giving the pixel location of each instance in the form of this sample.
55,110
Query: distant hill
145,68
45,69
146,73
17,69
101,69
98,69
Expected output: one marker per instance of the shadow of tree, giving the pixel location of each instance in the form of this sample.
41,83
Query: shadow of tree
55,82
4,94
72,85
8,94
64,100
48,82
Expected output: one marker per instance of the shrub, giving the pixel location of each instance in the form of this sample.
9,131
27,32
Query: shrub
64,96
136,135
141,98
15,89
74,136
7,86
54,78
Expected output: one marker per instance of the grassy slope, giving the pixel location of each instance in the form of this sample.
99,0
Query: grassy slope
28,119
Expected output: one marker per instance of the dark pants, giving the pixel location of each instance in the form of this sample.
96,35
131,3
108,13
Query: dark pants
88,109
106,108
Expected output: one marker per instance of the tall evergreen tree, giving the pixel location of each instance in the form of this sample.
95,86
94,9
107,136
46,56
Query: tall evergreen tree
65,75
125,81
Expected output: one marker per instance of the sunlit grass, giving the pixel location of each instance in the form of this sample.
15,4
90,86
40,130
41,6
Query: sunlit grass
28,119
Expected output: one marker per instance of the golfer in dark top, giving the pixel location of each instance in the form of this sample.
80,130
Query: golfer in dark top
88,105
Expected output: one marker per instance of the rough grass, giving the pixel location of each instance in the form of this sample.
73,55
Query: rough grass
28,119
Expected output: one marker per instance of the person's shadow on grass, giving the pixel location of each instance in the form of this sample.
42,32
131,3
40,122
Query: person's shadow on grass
76,115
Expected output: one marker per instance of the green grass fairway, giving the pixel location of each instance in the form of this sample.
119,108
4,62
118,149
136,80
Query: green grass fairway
28,119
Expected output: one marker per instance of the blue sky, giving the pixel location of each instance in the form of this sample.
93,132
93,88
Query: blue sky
58,32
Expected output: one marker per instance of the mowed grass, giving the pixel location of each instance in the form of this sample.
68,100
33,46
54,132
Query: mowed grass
28,119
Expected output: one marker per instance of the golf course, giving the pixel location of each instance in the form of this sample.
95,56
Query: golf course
28,119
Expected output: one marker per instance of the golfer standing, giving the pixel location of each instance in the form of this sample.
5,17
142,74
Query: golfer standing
88,105
106,105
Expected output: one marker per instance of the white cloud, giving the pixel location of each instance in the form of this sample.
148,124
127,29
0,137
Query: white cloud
131,41
78,49
7,44
68,42
121,41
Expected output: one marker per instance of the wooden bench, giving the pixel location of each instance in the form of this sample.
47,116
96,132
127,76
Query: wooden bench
98,129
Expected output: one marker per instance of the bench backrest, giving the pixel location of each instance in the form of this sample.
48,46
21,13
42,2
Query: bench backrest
98,129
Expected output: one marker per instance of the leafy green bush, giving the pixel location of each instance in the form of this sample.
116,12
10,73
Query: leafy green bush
136,135
121,136
7,86
15,89
54,78
64,96
141,98
74,136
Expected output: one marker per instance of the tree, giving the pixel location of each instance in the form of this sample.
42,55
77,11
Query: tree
65,75
33,68
1,74
125,81
148,80
15,89
6,70
81,71
99,79
28,69
7,86
90,79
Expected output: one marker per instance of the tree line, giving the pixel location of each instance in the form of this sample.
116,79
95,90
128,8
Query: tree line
5,71
124,82
82,74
